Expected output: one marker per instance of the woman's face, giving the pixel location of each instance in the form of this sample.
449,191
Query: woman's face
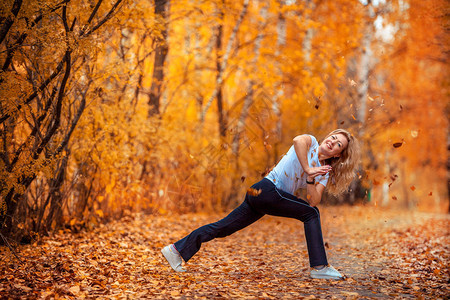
333,145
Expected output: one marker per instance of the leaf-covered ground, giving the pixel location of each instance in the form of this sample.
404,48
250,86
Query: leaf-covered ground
383,254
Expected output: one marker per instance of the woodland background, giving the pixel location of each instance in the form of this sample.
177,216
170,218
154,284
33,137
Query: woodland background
112,107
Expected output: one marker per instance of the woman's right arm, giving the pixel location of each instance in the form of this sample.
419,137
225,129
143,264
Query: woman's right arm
301,147
302,143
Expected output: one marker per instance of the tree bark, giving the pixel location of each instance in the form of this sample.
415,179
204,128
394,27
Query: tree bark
220,111
276,107
162,48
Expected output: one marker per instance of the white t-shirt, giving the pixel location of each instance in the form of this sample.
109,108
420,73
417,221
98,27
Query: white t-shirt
288,174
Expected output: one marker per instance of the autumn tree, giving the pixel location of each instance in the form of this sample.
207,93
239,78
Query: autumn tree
43,45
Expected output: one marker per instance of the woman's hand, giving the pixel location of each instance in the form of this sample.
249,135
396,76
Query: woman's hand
315,191
316,171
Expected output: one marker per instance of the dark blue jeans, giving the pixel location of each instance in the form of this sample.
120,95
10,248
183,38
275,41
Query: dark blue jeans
271,201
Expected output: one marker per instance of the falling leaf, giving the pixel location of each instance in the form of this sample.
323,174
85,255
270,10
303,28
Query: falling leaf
430,194
254,192
352,82
342,122
397,145
353,117
242,178
394,198
414,133
413,188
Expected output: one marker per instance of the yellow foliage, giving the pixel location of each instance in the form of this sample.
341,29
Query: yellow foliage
287,69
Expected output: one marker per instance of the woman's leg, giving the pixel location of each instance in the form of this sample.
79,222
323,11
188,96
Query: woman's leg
278,203
239,218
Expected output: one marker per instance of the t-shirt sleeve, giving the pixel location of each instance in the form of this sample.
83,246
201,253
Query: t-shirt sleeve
314,142
324,180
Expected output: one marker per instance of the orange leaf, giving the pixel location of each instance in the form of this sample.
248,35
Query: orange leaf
413,188
253,192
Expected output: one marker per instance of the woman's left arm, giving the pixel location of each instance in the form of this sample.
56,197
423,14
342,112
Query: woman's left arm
314,193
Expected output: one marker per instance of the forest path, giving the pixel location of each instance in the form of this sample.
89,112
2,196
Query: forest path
383,254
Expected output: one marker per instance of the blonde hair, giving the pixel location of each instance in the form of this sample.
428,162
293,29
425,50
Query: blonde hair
343,167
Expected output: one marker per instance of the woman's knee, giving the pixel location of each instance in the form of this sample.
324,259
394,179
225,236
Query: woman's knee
312,214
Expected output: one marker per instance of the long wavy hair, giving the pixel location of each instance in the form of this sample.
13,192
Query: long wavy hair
343,167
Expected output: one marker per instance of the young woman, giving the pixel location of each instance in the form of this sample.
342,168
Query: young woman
306,165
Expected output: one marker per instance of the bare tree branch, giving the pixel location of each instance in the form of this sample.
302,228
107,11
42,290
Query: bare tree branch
108,16
9,20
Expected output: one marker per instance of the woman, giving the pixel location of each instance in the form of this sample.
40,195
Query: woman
306,165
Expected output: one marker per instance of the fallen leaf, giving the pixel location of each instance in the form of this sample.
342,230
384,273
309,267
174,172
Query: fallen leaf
75,290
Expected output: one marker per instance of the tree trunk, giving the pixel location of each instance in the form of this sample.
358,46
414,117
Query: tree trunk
162,48
220,111
276,107
56,197
248,100
219,78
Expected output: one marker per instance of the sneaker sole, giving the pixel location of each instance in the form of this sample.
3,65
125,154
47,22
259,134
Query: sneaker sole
326,277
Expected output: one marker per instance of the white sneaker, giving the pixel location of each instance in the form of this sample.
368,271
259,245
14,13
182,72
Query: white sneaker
327,272
174,258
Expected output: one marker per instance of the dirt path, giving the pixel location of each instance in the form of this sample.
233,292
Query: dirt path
383,253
